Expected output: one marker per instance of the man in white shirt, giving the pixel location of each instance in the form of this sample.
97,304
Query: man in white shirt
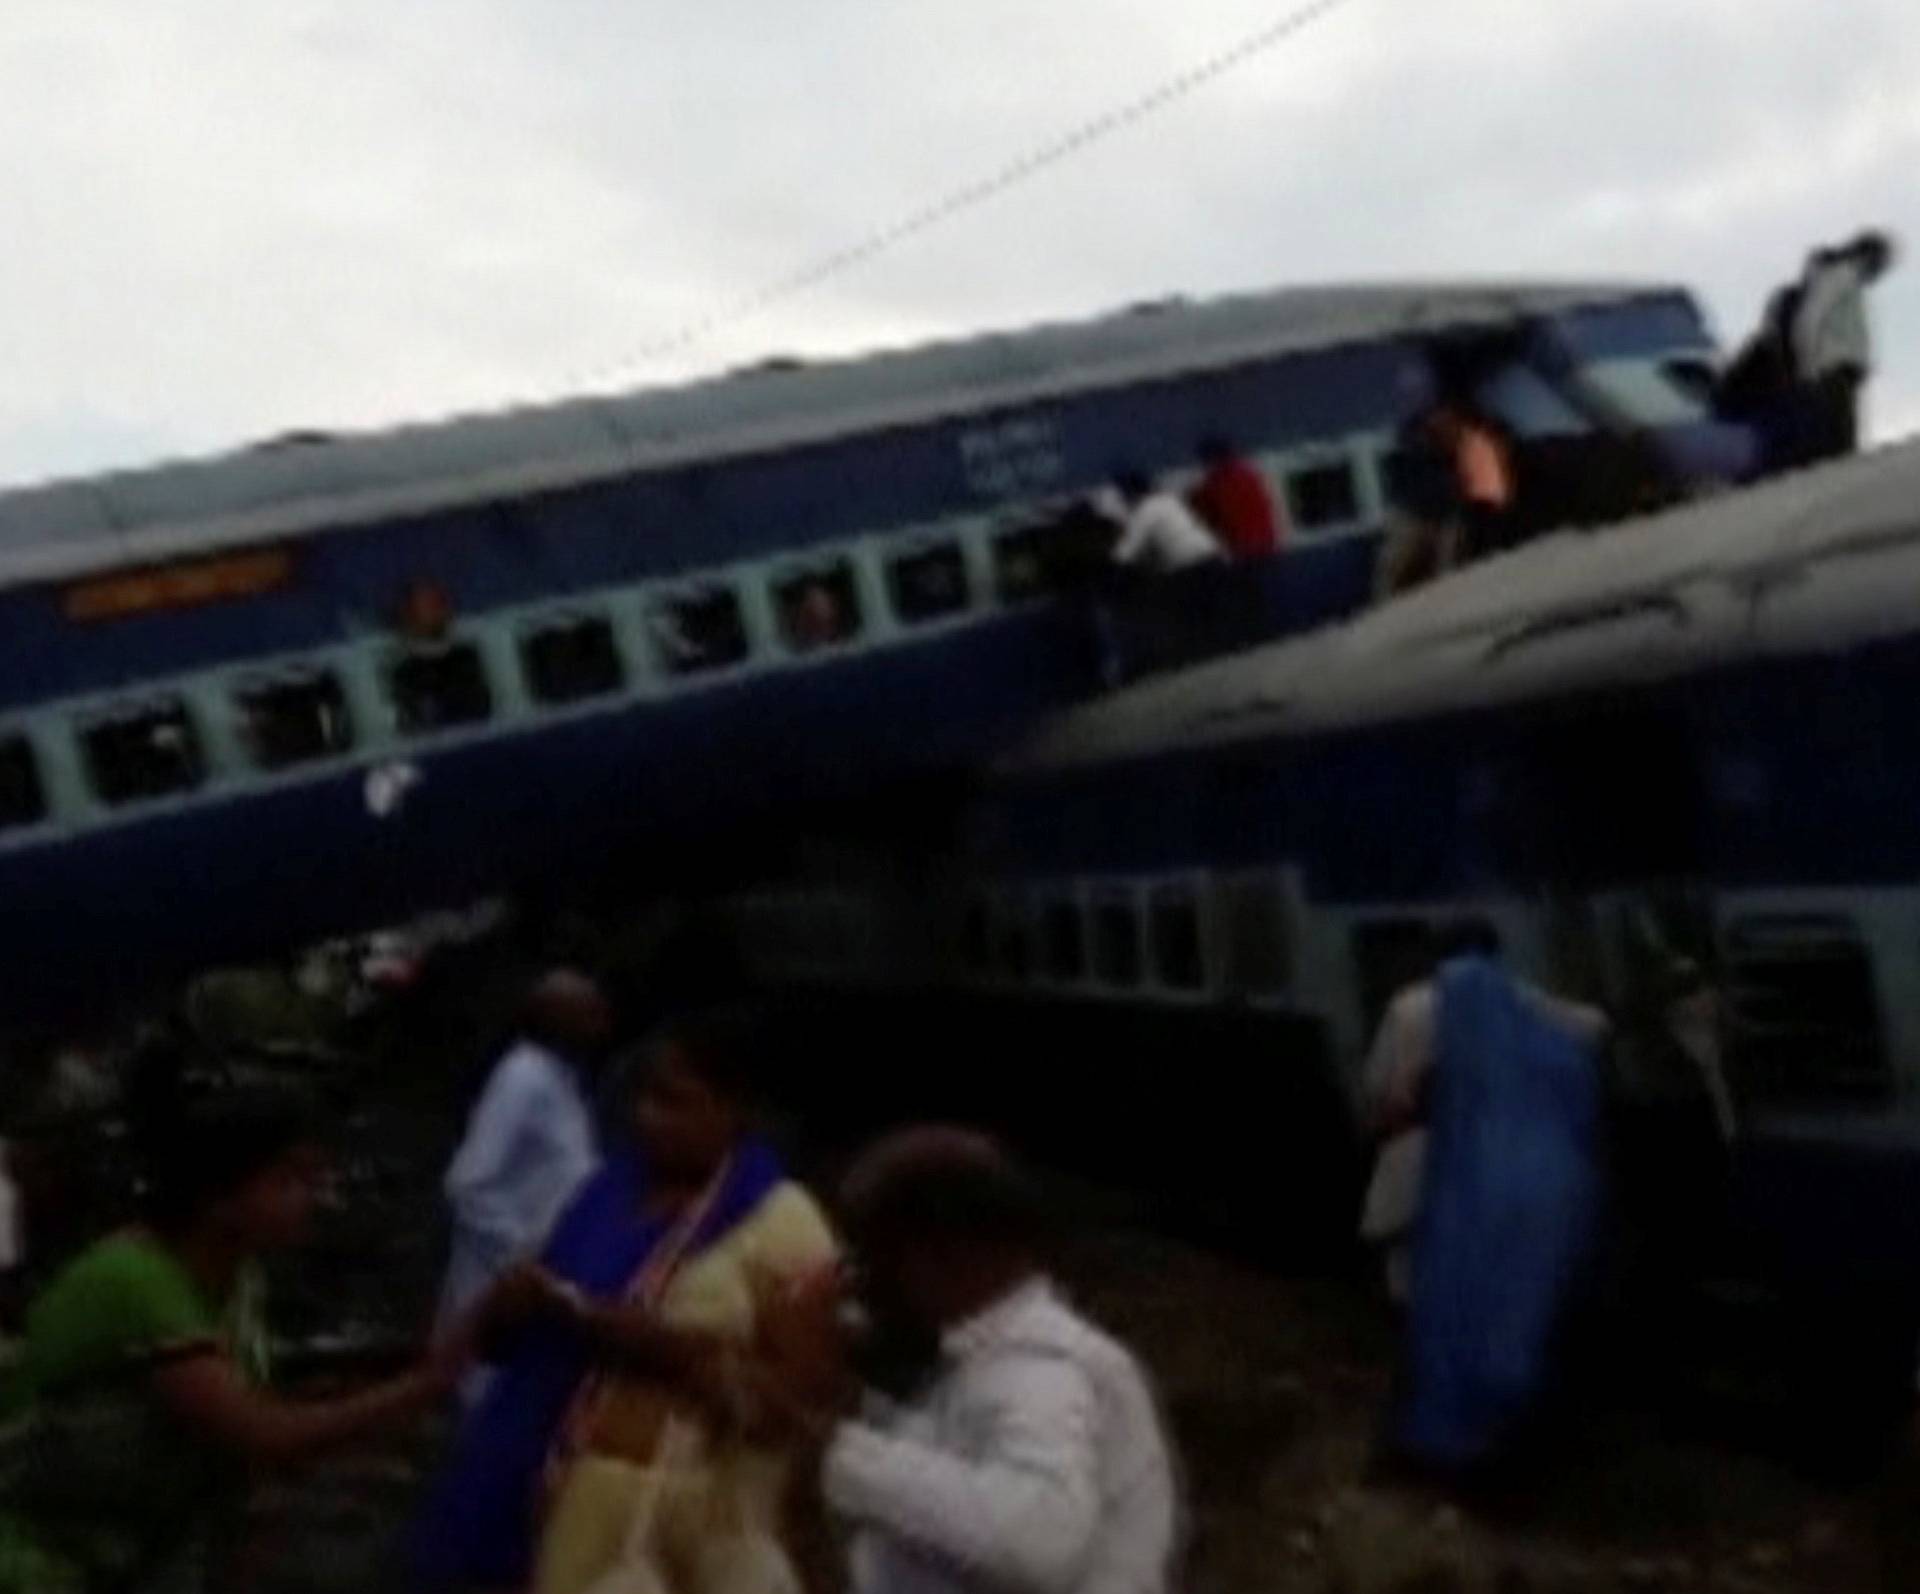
530,1139
1831,345
1159,531
1032,1461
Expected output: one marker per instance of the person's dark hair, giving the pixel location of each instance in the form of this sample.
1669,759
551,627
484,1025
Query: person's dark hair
718,1046
566,1011
215,1146
1133,482
1873,249
940,1184
1443,407
1466,938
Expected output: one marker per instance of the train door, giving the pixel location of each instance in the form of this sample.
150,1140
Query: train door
1594,811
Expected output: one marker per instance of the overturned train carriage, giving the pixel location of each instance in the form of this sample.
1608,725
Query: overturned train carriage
330,681
1672,762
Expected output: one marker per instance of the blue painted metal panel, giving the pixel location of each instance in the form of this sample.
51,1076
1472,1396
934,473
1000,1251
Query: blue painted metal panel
1776,774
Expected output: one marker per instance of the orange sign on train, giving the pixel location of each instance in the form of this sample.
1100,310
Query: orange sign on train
178,586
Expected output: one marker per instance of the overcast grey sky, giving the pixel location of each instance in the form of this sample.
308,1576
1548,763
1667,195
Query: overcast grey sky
226,219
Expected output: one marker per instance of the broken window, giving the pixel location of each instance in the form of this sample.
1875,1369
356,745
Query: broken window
698,629
439,688
22,799
136,754
570,659
294,719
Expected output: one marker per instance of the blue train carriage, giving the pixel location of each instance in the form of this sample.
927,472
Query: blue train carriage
1672,764
331,680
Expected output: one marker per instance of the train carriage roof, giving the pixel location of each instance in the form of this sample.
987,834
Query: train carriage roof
1822,559
306,483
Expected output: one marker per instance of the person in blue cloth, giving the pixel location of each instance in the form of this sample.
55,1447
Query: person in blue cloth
1508,1210
626,1389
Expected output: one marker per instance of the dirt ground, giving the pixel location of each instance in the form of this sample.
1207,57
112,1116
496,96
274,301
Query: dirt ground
1274,1389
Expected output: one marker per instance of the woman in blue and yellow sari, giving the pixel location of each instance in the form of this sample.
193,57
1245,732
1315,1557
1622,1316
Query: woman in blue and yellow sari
622,1428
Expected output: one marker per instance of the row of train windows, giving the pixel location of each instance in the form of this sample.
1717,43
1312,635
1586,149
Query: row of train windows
302,716
1322,496
1110,942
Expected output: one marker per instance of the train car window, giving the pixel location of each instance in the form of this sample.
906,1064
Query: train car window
570,659
294,719
1324,495
142,753
1645,392
928,584
1065,551
699,629
1255,942
1179,948
1117,960
441,687
1803,1017
1520,396
23,801
1064,941
1019,567
818,608
1694,376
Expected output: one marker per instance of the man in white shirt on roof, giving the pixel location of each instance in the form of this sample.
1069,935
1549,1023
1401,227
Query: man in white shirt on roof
529,1142
1158,530
1032,1461
1831,344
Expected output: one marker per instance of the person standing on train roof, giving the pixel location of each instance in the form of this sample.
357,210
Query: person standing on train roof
1831,341
1031,1459
1454,489
1158,530
529,1142
1482,476
1234,501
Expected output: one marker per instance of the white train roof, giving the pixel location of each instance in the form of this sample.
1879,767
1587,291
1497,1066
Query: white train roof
1823,559
308,483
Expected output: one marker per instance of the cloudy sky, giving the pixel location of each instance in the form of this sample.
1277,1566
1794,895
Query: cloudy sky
227,219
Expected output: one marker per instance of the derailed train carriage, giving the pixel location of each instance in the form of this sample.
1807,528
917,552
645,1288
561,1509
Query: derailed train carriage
317,685
1671,762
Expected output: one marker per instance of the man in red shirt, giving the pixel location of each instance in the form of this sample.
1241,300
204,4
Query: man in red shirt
1234,500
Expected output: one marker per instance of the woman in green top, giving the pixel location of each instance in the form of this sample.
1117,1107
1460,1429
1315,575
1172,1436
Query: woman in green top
139,1406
